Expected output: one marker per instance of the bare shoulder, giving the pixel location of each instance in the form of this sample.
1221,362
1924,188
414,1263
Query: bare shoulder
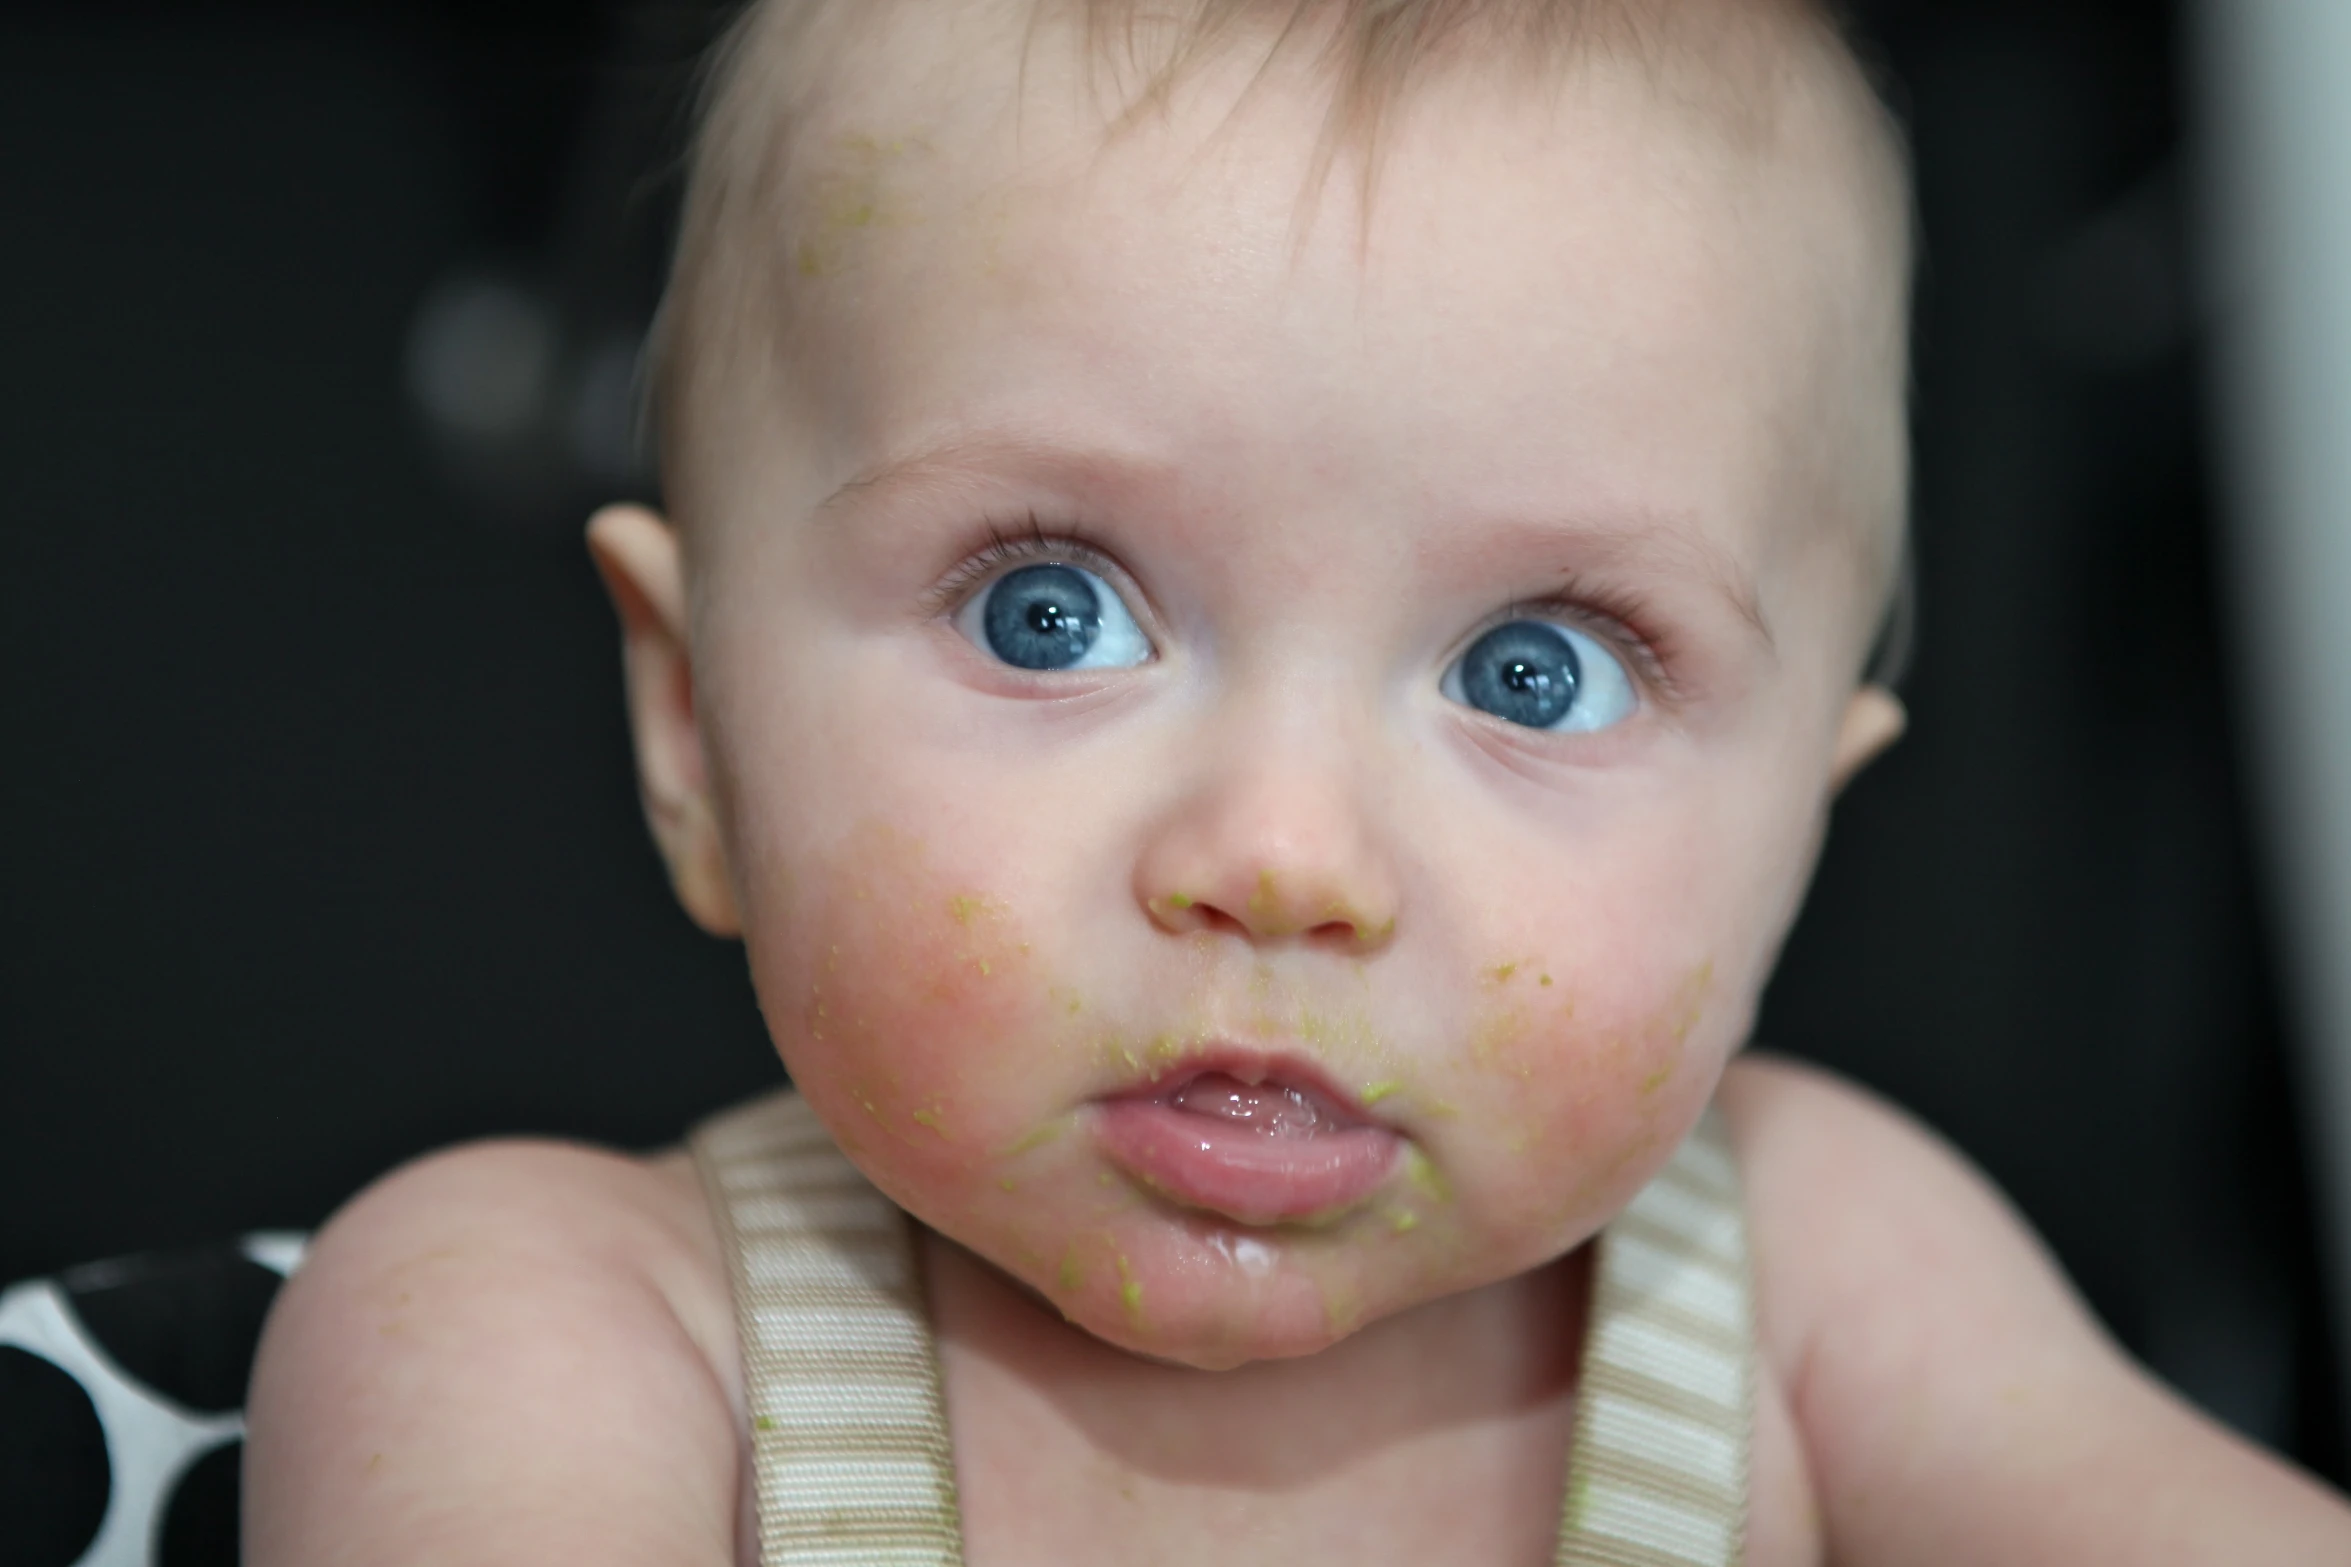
1954,1399
497,1353
1849,1196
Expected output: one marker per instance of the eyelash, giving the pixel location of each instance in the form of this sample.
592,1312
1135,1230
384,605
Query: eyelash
1030,546
1618,615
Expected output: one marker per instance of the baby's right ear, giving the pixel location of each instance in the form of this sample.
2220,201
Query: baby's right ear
637,554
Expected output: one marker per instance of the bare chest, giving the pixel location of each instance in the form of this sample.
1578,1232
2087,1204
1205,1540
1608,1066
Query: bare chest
1492,1494
1442,1436
1036,1489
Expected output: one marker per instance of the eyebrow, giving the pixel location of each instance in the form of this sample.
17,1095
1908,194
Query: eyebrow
997,457
1657,543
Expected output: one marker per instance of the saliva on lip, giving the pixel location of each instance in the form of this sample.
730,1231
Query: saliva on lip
1272,1109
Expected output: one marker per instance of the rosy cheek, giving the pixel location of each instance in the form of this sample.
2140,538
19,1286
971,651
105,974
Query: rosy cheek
1582,1101
901,1000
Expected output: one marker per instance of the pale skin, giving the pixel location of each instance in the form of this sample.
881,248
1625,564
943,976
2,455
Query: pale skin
1315,463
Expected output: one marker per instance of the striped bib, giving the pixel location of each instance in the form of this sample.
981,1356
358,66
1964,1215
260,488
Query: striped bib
852,1462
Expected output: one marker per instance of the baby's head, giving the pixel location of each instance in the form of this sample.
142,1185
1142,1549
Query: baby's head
1266,605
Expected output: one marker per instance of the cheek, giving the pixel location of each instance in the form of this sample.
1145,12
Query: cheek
1600,1014
908,1006
1575,1101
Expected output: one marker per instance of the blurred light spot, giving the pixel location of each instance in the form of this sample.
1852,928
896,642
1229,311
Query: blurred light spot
481,357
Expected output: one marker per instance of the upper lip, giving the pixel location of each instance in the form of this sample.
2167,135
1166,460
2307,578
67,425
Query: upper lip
1250,1066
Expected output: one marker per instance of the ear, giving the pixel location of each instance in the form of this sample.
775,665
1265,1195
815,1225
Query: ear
1874,719
637,555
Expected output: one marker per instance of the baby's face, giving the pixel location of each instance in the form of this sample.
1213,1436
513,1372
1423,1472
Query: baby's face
1263,761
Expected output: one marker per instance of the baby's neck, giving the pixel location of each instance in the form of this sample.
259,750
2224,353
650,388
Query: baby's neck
1437,1434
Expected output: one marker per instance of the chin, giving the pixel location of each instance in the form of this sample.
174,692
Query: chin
1190,1291
1206,1339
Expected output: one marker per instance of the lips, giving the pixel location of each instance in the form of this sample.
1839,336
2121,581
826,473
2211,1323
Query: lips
1258,1143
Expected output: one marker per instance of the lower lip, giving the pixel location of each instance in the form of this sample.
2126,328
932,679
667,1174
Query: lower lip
1242,1173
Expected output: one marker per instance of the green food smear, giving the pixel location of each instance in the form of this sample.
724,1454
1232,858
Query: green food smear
1427,1177
1130,1291
1036,1139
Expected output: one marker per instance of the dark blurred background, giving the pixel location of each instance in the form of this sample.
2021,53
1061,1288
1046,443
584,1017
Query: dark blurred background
320,847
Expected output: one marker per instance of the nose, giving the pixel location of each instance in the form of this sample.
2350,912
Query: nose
1271,839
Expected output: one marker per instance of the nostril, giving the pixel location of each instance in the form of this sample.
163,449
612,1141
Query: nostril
1216,919
1182,913
1345,925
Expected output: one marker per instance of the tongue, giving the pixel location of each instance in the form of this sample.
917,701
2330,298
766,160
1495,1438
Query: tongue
1270,1109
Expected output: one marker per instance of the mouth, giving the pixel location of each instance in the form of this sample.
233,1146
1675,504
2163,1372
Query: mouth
1258,1141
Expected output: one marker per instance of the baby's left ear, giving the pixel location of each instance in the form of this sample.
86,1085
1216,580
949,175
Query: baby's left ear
1874,719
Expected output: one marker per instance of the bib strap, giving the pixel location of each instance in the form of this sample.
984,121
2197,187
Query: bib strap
852,1464
1665,1401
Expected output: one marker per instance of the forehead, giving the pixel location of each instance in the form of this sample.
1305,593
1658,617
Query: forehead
1584,296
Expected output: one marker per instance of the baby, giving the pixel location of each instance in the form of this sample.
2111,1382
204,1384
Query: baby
1262,606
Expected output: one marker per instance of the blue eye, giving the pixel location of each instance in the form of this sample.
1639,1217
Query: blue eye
1543,676
1054,616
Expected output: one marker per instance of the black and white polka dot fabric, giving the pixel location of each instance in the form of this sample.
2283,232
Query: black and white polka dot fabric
122,1386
